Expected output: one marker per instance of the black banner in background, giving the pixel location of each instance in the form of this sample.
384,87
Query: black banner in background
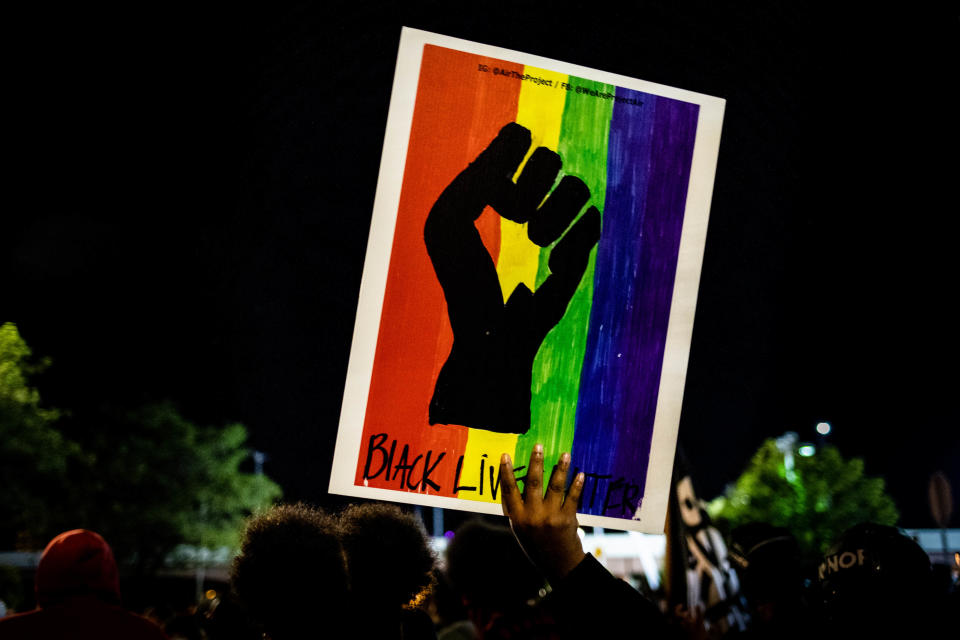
698,571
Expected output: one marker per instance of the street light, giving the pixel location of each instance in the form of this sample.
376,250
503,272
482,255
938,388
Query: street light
786,444
823,428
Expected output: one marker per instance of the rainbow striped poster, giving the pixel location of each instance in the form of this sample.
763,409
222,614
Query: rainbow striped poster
531,277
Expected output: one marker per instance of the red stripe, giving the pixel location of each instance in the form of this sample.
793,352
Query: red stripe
457,112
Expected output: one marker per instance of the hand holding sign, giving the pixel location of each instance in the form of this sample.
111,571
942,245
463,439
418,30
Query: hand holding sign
546,526
485,382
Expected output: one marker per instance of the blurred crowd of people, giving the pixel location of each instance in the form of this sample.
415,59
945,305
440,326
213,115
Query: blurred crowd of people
370,572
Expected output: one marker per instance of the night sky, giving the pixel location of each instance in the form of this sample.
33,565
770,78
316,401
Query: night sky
191,194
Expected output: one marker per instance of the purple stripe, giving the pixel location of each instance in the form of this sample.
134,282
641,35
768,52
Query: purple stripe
648,170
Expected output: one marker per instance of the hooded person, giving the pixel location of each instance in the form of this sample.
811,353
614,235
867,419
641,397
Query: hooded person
768,564
78,595
876,582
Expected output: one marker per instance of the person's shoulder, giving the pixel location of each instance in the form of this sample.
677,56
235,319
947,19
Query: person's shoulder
23,620
459,630
16,619
417,624
131,625
29,624
103,622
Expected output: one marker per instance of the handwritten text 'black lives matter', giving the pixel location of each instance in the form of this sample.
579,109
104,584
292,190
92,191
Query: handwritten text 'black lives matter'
411,471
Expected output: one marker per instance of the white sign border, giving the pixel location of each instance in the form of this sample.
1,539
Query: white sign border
651,514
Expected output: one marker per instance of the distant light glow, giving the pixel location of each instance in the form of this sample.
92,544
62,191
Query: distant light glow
823,428
807,450
448,535
211,594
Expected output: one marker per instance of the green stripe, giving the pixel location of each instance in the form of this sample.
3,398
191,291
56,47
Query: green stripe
556,369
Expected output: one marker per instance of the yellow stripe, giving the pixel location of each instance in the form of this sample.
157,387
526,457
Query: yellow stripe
493,445
540,109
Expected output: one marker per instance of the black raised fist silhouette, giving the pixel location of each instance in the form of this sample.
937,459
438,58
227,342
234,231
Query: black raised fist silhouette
485,382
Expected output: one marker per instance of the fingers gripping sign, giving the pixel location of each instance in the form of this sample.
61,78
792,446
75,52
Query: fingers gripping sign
545,525
485,382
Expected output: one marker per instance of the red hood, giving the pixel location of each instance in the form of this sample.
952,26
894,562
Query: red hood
77,562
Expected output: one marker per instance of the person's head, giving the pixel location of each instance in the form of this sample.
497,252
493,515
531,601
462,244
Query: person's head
389,558
290,572
874,577
478,558
767,560
77,563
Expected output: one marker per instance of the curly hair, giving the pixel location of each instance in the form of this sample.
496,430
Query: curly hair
478,557
389,558
290,571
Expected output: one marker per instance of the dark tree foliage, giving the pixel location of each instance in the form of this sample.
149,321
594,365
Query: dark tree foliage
147,479
159,480
34,455
820,497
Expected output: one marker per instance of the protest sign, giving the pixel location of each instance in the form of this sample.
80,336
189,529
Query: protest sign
531,277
